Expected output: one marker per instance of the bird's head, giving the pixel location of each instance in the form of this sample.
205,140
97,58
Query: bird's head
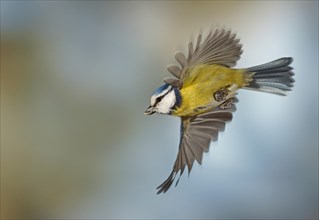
164,100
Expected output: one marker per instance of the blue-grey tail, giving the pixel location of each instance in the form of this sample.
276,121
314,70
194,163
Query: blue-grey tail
273,77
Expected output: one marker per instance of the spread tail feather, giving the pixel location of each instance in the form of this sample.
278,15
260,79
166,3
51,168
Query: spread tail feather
273,77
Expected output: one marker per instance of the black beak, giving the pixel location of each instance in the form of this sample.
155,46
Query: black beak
149,111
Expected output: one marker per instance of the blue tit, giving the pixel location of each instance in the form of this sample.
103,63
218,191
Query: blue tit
203,93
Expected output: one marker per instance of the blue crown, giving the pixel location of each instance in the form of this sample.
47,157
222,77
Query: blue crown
161,89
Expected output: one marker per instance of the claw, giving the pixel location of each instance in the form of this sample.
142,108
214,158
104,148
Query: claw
222,93
228,103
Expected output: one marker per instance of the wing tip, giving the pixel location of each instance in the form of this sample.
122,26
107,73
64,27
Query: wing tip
167,183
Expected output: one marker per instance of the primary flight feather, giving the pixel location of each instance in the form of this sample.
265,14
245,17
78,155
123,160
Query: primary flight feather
203,93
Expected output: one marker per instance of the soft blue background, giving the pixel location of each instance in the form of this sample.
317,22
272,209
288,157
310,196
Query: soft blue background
76,78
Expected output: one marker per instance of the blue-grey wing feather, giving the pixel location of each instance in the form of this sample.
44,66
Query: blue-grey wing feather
219,47
196,134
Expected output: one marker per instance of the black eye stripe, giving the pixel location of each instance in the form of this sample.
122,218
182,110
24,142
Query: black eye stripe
158,99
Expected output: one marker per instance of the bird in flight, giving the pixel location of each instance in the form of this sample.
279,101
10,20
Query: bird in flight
203,93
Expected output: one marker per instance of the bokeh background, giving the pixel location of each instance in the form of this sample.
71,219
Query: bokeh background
76,78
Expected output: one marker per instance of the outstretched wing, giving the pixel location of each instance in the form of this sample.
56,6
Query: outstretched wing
220,47
196,134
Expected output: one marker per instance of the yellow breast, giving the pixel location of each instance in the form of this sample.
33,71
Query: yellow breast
203,82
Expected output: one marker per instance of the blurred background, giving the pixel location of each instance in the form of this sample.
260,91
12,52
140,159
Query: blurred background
76,78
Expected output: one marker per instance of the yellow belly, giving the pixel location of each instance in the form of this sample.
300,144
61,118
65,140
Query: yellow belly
201,84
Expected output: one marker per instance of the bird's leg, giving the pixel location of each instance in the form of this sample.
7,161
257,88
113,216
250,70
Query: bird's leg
222,93
228,103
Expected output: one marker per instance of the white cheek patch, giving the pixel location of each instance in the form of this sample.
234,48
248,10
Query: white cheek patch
166,104
153,100
155,96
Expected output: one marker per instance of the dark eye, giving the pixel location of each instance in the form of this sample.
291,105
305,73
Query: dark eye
158,99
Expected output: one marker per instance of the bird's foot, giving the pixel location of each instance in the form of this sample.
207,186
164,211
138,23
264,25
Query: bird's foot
222,94
228,103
